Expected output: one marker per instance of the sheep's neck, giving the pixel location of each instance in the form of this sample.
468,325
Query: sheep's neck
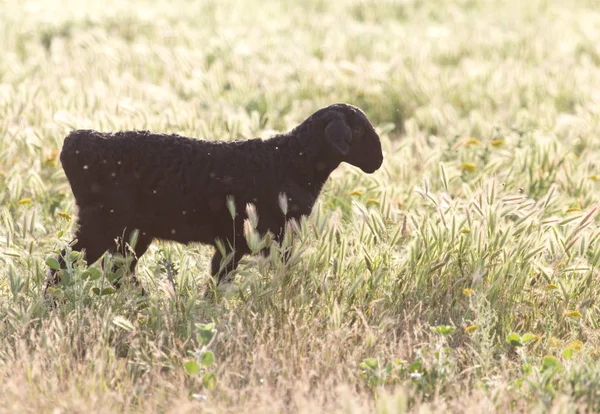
306,163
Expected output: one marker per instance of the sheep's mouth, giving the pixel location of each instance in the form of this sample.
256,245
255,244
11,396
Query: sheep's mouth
371,168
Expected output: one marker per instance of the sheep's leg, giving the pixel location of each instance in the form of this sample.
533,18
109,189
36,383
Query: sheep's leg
141,246
53,277
224,274
287,253
93,247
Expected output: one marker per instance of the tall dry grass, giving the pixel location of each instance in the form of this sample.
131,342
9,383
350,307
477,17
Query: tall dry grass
461,277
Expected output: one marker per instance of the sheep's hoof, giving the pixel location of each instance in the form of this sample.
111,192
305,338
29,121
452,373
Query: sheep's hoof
51,301
212,289
209,292
124,280
52,294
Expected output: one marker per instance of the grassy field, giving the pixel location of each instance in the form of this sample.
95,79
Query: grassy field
463,276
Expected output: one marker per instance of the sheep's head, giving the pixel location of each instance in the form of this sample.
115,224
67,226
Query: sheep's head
351,138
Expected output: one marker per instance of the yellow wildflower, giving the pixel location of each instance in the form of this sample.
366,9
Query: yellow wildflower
466,142
554,342
65,215
468,166
573,314
471,328
24,201
51,159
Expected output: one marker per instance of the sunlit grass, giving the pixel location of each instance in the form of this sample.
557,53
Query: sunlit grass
462,276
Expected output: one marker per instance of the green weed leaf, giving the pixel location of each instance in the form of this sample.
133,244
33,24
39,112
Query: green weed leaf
550,363
209,380
52,263
191,367
206,332
514,339
443,329
207,359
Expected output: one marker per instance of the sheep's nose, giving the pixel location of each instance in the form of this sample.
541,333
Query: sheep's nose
374,167
379,163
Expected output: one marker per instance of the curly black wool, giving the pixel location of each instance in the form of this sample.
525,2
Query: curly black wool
175,188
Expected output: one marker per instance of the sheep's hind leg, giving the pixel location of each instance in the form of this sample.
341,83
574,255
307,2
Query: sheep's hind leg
93,245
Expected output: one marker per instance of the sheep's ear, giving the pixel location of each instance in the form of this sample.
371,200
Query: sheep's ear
339,135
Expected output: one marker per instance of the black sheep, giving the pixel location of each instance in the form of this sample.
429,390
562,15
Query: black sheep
175,188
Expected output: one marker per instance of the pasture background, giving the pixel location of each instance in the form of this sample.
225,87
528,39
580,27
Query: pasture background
462,276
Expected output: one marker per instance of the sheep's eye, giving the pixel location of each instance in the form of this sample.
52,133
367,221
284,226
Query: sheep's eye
358,130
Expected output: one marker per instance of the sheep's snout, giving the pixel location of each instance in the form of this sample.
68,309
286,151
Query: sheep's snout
371,167
367,155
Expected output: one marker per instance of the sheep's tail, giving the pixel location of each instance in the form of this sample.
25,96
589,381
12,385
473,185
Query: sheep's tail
78,148
72,143
79,153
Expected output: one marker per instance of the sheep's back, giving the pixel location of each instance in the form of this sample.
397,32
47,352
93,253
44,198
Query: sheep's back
100,165
144,176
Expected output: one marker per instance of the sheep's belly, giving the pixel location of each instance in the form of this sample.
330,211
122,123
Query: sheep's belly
185,228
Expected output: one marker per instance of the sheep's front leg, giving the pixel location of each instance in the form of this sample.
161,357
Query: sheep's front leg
142,245
222,273
287,253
